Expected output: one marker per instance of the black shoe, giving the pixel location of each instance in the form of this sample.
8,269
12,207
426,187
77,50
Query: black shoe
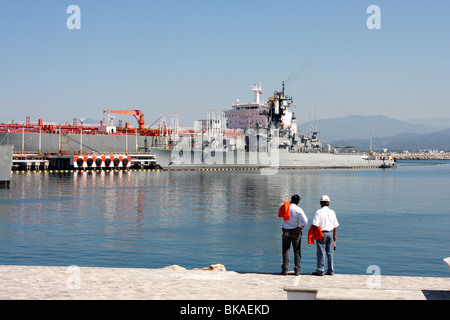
297,273
284,272
330,273
315,273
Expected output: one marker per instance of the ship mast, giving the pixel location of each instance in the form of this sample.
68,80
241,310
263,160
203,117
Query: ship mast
257,89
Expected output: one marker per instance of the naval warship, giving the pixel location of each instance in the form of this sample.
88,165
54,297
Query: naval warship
262,136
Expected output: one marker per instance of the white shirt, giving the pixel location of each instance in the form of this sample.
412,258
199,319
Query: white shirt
325,218
297,218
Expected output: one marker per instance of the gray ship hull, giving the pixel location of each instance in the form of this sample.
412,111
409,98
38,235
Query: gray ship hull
30,142
282,159
6,153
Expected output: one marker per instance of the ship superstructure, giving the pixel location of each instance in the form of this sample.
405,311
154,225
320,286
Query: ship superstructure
275,114
244,116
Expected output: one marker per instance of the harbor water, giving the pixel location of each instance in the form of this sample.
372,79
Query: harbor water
395,219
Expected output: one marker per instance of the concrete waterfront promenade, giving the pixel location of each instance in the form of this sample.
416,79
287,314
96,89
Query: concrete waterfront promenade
173,283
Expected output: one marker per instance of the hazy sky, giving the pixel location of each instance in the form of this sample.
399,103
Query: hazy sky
186,57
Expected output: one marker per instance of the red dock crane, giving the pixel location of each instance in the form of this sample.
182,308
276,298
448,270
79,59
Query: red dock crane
135,113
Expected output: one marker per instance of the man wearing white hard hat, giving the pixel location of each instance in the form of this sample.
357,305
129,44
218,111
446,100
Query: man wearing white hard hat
325,218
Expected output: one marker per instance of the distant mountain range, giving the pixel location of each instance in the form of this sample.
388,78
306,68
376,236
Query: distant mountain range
439,140
392,134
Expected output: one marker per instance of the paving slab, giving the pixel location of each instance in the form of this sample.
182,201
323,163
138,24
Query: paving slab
369,287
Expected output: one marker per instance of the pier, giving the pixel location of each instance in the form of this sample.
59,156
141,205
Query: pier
5,165
100,161
177,283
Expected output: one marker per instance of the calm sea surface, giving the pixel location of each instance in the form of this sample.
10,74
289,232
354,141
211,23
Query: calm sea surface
397,219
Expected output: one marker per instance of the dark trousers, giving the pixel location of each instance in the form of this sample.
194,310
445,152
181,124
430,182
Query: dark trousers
291,236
